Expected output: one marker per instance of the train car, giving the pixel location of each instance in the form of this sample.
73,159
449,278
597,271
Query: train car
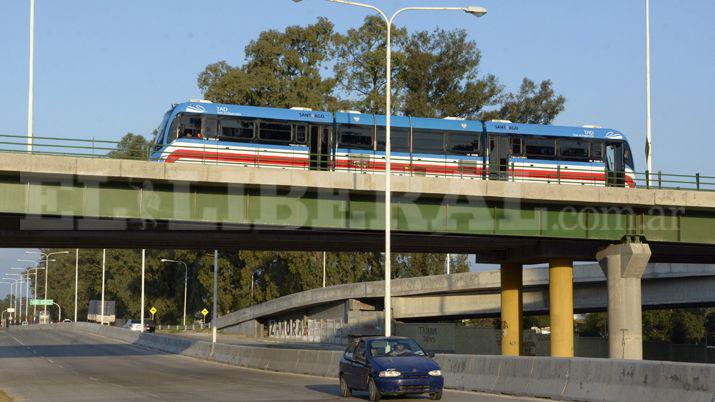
299,138
419,146
205,132
586,155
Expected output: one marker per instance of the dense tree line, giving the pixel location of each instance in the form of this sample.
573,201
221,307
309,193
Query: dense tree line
436,74
666,325
275,274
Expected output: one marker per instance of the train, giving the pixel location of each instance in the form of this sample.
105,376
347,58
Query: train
204,132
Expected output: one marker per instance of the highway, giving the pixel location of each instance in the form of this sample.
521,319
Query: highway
51,364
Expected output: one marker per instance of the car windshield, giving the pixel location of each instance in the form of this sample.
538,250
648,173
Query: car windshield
395,348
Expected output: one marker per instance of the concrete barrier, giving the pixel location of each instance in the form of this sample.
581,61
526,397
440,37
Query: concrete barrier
580,379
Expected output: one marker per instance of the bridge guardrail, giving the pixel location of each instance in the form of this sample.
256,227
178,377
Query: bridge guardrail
364,163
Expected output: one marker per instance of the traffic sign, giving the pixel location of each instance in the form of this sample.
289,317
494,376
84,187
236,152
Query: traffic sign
204,312
152,310
41,302
10,310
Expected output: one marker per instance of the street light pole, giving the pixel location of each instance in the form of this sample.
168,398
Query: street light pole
47,269
476,11
186,280
142,301
214,314
648,151
76,280
30,91
104,260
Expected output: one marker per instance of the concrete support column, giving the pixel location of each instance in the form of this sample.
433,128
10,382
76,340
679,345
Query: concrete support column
561,307
511,309
623,265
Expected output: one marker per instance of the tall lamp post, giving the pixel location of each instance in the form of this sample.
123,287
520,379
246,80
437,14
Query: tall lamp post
26,273
47,268
186,280
473,10
31,78
34,307
13,297
648,155
7,282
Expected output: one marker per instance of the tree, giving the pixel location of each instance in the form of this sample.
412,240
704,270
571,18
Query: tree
710,326
532,105
360,64
131,146
657,325
596,324
441,76
282,69
688,326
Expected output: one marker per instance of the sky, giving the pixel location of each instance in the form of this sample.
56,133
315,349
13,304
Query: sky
105,68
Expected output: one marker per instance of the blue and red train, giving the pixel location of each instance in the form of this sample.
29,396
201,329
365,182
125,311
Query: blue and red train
299,138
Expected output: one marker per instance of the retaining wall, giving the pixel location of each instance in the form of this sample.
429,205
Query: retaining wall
580,379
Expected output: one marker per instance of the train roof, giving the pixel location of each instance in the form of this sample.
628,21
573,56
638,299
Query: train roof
553,131
255,111
406,122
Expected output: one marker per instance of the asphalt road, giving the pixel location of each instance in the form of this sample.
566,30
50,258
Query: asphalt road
55,365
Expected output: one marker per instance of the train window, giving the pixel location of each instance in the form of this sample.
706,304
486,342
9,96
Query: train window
354,136
597,151
190,126
427,142
209,127
517,146
301,136
232,129
574,150
540,148
399,139
173,130
462,143
275,132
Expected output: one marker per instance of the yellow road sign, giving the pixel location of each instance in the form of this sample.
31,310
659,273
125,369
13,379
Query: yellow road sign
204,312
152,310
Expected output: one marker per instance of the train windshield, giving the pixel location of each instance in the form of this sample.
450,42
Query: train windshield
628,156
159,135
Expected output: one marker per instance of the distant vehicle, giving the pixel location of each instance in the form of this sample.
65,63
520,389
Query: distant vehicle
298,138
389,366
94,312
136,325
25,323
66,320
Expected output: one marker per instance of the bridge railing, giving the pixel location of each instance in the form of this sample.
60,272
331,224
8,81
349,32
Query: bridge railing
364,162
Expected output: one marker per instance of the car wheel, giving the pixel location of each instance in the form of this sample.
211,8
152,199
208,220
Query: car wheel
436,396
345,391
373,391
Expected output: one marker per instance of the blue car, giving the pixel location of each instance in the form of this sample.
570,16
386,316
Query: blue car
389,366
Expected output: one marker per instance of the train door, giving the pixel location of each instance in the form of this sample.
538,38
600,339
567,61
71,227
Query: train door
615,166
319,147
498,157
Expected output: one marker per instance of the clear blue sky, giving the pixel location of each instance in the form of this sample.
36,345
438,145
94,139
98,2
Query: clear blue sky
106,68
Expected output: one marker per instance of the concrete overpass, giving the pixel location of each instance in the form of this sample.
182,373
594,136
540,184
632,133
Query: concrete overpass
52,201
477,294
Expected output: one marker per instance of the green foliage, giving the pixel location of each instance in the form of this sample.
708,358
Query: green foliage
688,326
710,326
282,69
657,325
531,104
275,274
435,74
360,64
131,146
595,324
